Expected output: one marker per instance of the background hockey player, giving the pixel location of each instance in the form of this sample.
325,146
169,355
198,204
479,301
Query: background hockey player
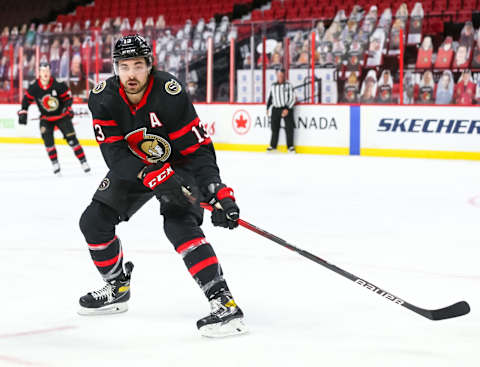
153,143
54,100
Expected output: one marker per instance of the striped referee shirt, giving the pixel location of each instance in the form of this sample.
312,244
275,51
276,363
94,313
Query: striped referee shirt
281,95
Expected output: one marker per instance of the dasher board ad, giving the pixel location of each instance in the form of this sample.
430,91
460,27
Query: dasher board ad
428,128
327,126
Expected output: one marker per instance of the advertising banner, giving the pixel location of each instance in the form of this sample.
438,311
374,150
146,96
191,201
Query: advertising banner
405,131
317,128
400,131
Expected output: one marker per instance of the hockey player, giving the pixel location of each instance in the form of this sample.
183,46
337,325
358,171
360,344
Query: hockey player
152,141
54,100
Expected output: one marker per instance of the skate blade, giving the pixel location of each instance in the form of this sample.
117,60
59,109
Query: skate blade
231,328
105,310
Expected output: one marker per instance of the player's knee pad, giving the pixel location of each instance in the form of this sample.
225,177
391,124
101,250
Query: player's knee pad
181,229
72,140
98,222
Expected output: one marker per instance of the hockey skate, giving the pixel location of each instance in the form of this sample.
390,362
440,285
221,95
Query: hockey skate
56,168
225,319
85,167
112,298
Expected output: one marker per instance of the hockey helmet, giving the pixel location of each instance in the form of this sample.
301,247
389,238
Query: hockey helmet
132,46
44,64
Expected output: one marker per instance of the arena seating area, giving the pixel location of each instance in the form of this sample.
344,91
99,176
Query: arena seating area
359,40
174,12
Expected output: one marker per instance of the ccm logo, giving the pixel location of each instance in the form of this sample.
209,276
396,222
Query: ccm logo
374,289
161,177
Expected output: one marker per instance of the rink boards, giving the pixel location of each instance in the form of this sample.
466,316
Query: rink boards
370,130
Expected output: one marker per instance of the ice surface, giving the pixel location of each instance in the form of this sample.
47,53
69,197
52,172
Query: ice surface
409,226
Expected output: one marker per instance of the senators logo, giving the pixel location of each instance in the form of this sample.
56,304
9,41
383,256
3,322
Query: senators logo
105,184
173,87
99,87
50,103
385,94
426,96
148,147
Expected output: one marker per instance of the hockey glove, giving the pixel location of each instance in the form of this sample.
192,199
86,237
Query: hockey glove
225,211
22,117
166,185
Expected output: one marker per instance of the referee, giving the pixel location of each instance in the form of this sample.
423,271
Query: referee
282,98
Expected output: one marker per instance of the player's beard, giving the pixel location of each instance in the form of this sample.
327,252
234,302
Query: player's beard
134,90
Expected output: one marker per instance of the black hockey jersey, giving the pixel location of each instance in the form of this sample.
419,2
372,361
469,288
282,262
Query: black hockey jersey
162,127
53,101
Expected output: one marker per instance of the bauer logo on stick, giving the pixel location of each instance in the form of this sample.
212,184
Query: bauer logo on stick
173,87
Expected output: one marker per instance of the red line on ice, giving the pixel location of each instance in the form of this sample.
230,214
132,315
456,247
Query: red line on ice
18,361
34,332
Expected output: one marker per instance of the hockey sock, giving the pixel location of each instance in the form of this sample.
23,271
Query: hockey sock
107,257
78,150
52,153
97,224
202,263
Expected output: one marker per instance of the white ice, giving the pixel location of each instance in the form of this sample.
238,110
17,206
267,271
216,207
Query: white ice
409,226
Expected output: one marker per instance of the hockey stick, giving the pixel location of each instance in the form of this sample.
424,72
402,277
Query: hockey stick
455,310
79,114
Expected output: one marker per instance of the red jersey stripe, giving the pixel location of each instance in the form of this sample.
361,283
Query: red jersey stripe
194,148
54,118
64,94
105,263
188,244
202,265
111,139
177,134
50,82
143,101
29,96
105,122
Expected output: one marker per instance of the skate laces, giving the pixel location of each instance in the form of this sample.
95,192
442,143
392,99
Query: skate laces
105,292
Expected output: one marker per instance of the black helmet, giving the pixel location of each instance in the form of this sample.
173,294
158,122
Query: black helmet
44,64
129,47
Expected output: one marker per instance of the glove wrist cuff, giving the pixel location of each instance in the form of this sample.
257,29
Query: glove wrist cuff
224,193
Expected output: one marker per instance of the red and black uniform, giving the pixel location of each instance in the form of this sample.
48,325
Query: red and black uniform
55,104
162,128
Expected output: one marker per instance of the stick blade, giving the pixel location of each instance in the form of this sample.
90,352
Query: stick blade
455,310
